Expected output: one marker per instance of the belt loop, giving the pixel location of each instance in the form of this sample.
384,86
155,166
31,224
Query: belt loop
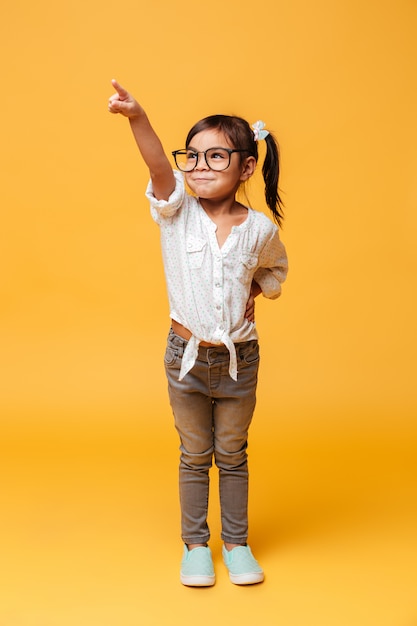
178,342
181,345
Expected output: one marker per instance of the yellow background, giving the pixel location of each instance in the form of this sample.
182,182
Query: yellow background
89,515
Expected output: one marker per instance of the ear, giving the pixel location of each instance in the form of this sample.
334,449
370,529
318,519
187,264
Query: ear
248,168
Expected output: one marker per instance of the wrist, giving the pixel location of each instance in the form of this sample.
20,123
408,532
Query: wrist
137,115
255,289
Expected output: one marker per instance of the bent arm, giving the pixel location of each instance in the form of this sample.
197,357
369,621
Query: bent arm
147,140
273,267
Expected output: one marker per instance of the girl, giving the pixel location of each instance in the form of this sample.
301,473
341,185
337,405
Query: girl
218,256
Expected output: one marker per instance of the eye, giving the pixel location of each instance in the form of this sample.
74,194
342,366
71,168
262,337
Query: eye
218,154
191,156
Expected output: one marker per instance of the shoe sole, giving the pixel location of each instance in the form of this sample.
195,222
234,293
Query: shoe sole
247,579
198,581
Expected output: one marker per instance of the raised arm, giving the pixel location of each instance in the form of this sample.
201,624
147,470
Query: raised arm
150,147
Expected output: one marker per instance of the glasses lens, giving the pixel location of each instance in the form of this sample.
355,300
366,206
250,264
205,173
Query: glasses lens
218,159
186,160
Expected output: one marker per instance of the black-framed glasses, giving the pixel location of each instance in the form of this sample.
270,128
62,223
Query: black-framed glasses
217,159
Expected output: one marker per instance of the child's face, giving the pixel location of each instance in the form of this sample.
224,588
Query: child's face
210,184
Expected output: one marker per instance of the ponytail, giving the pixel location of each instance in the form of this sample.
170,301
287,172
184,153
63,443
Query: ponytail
270,173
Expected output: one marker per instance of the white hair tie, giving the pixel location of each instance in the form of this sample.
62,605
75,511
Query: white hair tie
259,131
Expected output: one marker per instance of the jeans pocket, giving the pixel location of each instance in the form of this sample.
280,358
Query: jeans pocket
171,356
250,353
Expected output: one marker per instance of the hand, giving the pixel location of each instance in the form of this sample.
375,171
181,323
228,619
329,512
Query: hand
255,290
122,102
250,309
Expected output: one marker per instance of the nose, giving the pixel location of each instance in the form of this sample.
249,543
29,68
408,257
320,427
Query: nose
201,161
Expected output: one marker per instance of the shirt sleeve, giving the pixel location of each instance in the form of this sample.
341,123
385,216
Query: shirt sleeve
161,209
273,267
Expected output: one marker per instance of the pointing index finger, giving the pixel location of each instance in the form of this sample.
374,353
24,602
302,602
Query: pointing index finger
120,90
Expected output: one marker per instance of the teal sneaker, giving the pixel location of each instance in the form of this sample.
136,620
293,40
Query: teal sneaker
197,568
243,567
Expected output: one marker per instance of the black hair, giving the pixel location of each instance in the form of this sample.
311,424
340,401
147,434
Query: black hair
242,137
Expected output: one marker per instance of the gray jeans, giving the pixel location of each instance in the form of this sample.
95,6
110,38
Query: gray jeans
212,416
